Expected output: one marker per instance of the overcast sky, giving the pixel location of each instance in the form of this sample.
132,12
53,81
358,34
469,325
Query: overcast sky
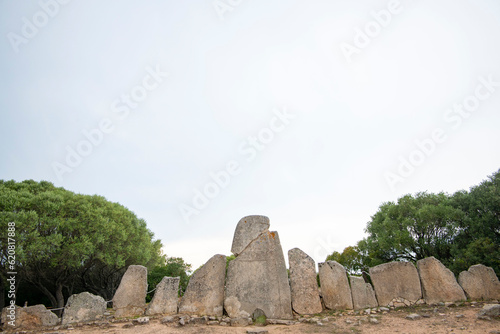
194,114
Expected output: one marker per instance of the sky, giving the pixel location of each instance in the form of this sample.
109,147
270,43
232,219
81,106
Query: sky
194,114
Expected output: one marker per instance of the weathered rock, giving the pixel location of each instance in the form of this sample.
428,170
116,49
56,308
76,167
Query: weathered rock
240,322
141,321
183,320
130,297
28,317
247,230
413,316
480,283
334,286
199,320
280,322
257,278
169,319
165,298
205,291
490,310
395,280
363,295
257,331
83,307
402,302
258,313
438,282
303,283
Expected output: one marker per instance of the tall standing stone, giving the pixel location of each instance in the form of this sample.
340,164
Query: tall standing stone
480,283
396,280
205,291
165,298
334,286
438,282
257,277
363,295
130,297
83,307
303,283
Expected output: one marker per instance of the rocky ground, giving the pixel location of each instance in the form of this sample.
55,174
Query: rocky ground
449,318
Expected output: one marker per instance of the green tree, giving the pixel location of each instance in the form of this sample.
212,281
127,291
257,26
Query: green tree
369,256
460,230
413,228
63,237
478,240
173,267
350,258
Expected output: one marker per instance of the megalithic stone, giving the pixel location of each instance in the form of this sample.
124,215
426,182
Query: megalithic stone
363,295
334,286
303,283
438,282
130,297
83,307
205,291
165,298
395,280
480,283
257,278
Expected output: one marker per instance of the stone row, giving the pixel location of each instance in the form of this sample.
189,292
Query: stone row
399,284
257,284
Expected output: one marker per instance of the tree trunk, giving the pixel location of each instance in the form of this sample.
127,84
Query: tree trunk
46,292
69,289
59,295
59,299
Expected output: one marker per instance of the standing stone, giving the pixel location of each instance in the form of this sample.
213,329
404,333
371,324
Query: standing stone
303,284
438,282
363,295
30,317
396,280
480,283
257,277
247,230
205,291
165,299
83,307
130,297
334,286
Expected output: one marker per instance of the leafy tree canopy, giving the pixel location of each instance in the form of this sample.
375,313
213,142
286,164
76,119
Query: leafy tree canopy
350,258
460,230
413,228
62,237
174,267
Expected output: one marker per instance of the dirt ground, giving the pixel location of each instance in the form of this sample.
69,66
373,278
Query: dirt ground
441,319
